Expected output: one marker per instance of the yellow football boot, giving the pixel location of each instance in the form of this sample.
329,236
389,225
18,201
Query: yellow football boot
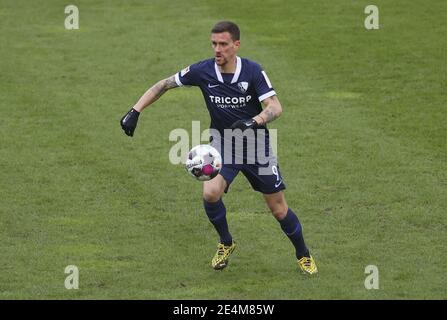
220,259
307,265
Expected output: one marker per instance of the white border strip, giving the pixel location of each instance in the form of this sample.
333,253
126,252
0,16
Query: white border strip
267,79
238,70
177,80
219,76
267,95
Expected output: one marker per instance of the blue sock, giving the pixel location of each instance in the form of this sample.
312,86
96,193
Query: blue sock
292,228
217,214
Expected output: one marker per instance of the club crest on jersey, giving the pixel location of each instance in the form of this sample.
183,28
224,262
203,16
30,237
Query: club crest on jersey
243,86
184,71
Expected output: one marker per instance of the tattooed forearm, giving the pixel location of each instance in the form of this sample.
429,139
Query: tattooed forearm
270,115
170,83
162,86
271,112
155,92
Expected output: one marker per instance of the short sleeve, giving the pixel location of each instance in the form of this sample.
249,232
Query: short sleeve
262,84
189,76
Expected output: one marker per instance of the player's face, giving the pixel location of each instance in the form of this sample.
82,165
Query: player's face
224,47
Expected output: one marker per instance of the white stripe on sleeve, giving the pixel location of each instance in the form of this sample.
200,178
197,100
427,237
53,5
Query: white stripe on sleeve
177,80
267,95
267,79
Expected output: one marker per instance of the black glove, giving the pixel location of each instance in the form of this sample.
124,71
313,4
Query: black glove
129,122
245,124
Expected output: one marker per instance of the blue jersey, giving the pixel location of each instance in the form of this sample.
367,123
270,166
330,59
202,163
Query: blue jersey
229,97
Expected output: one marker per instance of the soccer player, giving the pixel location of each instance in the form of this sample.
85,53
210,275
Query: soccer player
233,89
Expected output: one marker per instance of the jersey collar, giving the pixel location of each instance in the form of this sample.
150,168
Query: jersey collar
236,73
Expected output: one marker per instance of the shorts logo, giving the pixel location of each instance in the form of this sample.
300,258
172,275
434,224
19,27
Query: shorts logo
278,184
184,71
243,86
278,177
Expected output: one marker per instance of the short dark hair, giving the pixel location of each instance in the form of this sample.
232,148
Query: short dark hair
227,26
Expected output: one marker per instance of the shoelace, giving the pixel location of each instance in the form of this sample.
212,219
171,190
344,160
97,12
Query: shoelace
307,262
221,250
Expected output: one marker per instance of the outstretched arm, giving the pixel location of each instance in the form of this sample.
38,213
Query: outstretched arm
155,92
130,119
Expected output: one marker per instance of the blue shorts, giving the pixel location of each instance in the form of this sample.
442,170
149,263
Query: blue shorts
267,181
262,173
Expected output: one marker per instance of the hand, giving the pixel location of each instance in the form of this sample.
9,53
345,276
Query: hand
129,122
245,124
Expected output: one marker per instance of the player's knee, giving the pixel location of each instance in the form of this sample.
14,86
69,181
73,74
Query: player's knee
279,214
279,210
212,194
277,205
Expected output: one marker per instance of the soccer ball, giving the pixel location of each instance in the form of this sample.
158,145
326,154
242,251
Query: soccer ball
204,162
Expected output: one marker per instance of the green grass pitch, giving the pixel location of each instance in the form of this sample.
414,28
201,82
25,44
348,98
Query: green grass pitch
362,147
